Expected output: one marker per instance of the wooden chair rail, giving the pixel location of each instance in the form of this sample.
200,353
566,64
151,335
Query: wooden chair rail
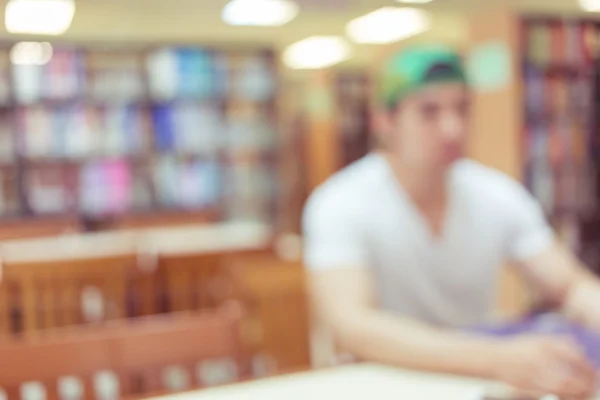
143,354
36,297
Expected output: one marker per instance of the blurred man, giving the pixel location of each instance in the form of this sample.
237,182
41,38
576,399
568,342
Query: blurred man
404,246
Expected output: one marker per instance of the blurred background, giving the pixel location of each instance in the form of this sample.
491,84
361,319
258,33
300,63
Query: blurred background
155,157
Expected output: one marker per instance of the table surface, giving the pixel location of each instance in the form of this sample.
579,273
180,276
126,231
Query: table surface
351,382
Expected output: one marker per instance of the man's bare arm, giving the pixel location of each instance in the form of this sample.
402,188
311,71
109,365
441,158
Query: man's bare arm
345,302
563,280
539,365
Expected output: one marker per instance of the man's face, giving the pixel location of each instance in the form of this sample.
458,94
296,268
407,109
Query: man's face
429,128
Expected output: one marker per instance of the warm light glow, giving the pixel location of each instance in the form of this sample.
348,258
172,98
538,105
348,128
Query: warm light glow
590,5
317,52
43,17
414,1
259,12
387,25
31,53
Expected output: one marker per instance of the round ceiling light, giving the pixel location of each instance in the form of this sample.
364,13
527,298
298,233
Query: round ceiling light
259,12
388,25
317,52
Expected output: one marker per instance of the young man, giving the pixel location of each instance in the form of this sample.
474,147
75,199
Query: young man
404,246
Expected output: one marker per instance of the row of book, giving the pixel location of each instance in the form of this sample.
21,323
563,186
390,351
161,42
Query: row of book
112,186
161,76
79,131
188,127
561,42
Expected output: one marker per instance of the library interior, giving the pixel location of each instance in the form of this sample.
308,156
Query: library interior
166,169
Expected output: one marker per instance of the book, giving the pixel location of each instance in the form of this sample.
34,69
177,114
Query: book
163,77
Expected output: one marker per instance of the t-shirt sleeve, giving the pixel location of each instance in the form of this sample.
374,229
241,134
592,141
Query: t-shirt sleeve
529,233
333,237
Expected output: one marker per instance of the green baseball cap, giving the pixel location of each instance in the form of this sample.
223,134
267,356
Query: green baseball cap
413,68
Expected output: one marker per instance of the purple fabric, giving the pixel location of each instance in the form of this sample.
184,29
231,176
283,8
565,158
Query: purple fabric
550,324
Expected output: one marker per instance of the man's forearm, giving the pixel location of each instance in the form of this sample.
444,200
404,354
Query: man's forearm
377,336
582,301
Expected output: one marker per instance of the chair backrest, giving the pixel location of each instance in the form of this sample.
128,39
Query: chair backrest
277,320
40,295
199,281
149,355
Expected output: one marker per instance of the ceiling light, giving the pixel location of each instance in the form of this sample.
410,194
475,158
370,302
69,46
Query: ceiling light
259,12
317,52
415,1
590,5
31,53
387,25
44,17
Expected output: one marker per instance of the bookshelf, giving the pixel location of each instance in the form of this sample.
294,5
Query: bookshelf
327,128
560,137
105,132
353,100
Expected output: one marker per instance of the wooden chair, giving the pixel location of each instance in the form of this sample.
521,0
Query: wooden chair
146,356
276,327
198,281
39,295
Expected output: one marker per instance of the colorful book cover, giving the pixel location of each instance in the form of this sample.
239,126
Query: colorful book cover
166,172
116,133
46,191
132,130
210,182
27,80
37,129
221,70
92,188
589,41
190,189
195,74
80,135
7,142
254,80
163,74
209,133
119,184
557,44
197,129
574,53
4,206
57,84
162,120
141,195
539,43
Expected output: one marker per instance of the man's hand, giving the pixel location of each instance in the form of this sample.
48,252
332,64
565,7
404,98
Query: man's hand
542,365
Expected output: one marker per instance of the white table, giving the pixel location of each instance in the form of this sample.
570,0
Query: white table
352,382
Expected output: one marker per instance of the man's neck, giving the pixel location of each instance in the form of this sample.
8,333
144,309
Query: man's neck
427,188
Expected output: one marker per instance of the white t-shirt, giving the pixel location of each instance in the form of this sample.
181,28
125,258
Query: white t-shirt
361,217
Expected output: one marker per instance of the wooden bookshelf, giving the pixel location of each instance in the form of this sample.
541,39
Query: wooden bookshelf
560,136
353,100
109,133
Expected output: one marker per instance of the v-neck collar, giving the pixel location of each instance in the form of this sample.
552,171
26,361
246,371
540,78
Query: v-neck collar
416,214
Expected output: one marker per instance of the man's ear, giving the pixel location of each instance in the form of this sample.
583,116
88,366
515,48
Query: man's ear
382,121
